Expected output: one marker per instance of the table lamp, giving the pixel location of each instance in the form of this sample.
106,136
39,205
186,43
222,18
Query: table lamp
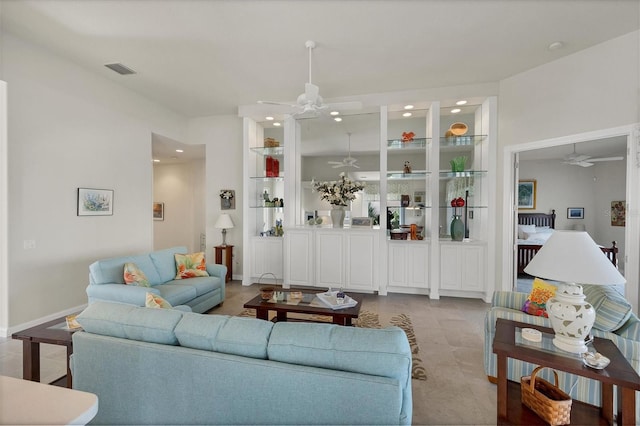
224,222
573,258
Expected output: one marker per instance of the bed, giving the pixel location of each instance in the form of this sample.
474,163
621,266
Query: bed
530,243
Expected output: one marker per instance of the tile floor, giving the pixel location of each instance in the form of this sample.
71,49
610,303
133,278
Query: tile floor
449,332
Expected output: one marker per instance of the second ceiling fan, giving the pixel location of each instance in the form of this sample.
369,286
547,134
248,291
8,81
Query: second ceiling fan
348,161
581,160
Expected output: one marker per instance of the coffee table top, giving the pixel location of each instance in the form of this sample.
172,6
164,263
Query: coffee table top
307,304
508,341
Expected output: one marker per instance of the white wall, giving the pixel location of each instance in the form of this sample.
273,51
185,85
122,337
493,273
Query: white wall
593,89
222,136
70,128
561,186
181,188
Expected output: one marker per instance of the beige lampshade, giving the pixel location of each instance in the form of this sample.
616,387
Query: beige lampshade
573,256
224,222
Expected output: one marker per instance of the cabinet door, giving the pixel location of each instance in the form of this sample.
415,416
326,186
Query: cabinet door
472,268
299,255
450,267
266,256
397,265
417,265
362,261
329,259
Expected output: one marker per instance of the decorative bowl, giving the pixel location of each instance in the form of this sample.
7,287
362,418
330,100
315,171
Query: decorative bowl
266,293
458,129
595,360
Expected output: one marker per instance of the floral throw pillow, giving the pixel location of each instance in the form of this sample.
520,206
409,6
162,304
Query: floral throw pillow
155,301
190,265
134,276
536,303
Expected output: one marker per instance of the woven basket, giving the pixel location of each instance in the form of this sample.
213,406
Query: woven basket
271,143
548,401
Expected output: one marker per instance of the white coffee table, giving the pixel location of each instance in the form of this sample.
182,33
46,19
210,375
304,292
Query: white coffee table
26,402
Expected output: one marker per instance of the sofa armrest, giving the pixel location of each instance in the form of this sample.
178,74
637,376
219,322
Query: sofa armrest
216,270
130,294
509,299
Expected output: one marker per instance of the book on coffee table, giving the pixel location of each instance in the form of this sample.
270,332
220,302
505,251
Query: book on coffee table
330,300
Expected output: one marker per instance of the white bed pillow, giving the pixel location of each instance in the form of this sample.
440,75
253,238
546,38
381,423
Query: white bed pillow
539,237
522,229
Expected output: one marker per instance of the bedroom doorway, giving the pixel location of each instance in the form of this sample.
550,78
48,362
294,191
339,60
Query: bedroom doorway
592,191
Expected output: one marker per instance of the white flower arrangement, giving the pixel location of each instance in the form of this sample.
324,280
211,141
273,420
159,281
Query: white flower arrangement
226,194
340,192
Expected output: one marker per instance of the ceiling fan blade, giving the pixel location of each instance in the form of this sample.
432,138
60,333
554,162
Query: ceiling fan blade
345,105
576,157
595,160
584,164
338,166
277,103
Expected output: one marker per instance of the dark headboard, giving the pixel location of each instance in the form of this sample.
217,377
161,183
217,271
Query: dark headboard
538,219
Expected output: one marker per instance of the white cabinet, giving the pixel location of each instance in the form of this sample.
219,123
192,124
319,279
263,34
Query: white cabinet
266,257
330,258
408,265
300,259
362,260
461,268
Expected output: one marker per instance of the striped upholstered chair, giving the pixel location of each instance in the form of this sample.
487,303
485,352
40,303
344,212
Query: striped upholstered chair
614,320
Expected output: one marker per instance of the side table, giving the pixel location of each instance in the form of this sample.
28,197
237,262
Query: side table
228,259
508,343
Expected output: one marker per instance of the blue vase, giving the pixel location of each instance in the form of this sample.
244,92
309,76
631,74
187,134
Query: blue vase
457,228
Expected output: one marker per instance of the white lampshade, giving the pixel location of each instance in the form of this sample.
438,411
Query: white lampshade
573,258
224,222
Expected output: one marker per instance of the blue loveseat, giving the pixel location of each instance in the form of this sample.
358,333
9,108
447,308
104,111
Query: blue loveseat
165,366
106,281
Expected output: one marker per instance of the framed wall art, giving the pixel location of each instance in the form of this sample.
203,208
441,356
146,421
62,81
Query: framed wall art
365,222
618,213
527,195
575,213
158,211
227,199
95,202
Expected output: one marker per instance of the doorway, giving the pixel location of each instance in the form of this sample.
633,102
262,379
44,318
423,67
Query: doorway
520,162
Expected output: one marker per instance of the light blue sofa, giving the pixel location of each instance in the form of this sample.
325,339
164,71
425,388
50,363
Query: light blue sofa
164,366
614,321
106,281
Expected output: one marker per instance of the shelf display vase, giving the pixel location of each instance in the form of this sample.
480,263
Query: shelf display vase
337,216
457,228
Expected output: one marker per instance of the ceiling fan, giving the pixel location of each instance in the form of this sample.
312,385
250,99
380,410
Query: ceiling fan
576,159
348,161
310,103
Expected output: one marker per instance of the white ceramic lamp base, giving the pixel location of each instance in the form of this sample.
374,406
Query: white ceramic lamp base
571,318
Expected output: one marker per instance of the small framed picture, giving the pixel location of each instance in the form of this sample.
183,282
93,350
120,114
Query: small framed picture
365,222
95,202
158,211
527,194
575,213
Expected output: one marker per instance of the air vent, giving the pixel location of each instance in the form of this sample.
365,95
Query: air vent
120,69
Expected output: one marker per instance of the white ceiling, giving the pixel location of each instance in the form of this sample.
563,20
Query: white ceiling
208,57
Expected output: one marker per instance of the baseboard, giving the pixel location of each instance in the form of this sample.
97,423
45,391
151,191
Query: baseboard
8,332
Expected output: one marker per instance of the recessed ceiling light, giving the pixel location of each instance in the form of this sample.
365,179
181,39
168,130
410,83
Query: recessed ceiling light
456,110
556,45
408,107
407,114
179,150
338,119
463,102
155,160
334,113
269,118
277,124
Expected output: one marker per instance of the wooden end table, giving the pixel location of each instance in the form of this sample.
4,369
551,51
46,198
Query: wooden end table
284,306
508,343
54,332
228,259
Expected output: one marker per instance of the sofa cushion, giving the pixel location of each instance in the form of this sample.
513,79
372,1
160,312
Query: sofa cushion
190,265
220,333
612,309
202,285
110,271
165,263
361,350
134,276
131,322
536,303
176,294
155,301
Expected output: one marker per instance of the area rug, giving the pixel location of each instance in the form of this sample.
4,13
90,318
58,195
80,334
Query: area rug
368,319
